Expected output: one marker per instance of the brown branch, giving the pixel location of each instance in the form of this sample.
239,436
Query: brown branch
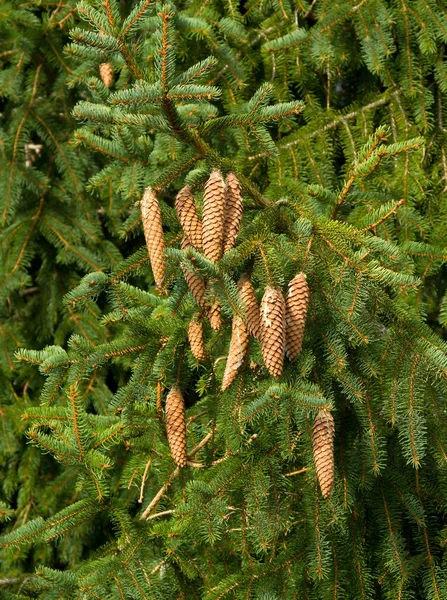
162,491
385,217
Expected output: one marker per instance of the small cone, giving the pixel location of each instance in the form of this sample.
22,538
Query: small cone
273,330
236,352
187,214
195,283
195,337
106,73
323,450
176,427
296,310
233,211
153,232
213,216
252,317
214,316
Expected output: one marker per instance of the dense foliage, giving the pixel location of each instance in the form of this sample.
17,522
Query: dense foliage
332,117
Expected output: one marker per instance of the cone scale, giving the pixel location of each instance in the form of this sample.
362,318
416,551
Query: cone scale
323,451
153,233
252,316
187,213
176,426
236,353
213,216
296,310
273,330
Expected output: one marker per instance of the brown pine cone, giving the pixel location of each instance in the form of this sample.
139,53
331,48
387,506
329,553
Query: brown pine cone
213,216
176,426
106,73
195,337
296,310
236,352
323,450
247,293
214,315
233,211
187,214
273,330
195,283
153,232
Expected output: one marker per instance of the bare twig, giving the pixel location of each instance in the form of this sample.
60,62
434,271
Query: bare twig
162,491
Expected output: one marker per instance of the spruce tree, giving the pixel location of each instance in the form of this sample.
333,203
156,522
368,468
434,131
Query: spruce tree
251,403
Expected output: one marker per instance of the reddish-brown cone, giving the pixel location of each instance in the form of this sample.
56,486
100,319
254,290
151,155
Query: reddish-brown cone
252,317
176,426
106,73
273,330
153,232
233,211
195,283
236,352
213,216
296,310
195,337
214,315
187,214
323,450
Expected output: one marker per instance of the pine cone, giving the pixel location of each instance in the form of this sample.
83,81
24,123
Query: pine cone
323,450
213,216
195,337
195,283
214,316
296,310
187,214
273,330
106,73
236,352
176,427
153,232
247,293
233,211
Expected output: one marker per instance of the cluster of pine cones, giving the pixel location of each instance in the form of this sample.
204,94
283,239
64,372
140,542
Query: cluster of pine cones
278,323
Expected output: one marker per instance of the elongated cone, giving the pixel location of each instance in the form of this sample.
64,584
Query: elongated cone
273,330
252,317
296,310
214,315
106,73
153,232
187,214
195,337
233,211
323,450
213,216
236,352
176,426
195,283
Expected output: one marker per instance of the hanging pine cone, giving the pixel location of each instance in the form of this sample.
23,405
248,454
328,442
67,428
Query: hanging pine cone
214,315
247,293
106,73
195,283
213,216
176,426
296,310
323,450
273,330
195,337
153,232
236,352
187,214
233,211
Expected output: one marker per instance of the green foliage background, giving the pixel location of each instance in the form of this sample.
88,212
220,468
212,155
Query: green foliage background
332,115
